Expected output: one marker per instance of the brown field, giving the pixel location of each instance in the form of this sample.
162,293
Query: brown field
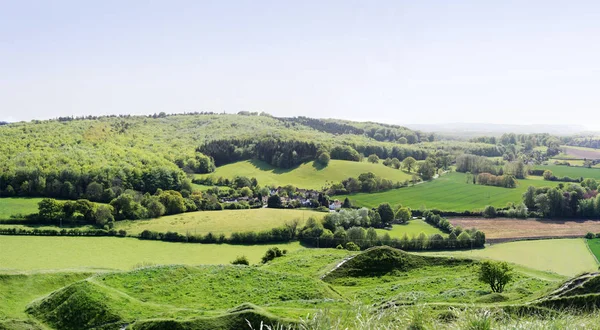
509,229
582,153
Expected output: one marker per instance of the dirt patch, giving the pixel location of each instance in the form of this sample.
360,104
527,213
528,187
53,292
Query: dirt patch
581,154
518,228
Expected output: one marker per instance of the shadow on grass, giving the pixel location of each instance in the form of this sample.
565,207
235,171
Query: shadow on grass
266,167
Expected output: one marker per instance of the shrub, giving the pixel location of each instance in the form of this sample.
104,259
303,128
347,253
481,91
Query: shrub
590,235
496,274
351,246
339,247
489,212
240,261
271,254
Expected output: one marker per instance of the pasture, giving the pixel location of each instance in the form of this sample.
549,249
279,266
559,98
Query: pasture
219,222
25,253
309,175
18,205
502,228
594,245
450,192
571,171
412,228
568,257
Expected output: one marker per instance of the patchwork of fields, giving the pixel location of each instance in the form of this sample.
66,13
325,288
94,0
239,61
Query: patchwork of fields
308,175
450,192
581,152
502,228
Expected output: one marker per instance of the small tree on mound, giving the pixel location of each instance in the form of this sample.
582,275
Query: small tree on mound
240,261
496,274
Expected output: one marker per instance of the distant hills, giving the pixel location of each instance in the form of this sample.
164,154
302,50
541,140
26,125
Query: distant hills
477,129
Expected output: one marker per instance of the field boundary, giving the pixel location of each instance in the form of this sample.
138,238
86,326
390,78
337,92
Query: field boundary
529,238
592,253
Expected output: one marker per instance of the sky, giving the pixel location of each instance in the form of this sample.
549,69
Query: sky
398,62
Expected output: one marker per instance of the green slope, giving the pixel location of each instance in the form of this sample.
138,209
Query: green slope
308,175
571,171
449,192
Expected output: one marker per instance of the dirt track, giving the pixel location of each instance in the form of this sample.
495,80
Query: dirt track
517,228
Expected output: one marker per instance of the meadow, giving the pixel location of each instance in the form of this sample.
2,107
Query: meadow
17,205
502,228
449,192
594,245
26,253
571,171
309,175
412,228
568,257
219,222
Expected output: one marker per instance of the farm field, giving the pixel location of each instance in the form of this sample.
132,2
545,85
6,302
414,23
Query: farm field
518,228
18,205
412,228
219,222
25,253
449,192
568,257
308,175
594,245
581,152
571,171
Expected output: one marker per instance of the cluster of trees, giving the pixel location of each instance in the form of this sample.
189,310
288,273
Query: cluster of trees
565,201
487,179
51,211
588,142
62,232
366,182
382,216
549,176
474,164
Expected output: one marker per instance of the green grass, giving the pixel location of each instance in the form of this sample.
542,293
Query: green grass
567,257
594,245
24,253
309,262
449,192
18,205
571,171
217,222
412,228
308,175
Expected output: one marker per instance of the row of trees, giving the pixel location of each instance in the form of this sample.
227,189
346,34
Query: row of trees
487,179
366,182
570,200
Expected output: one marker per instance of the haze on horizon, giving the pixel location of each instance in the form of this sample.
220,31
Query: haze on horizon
400,62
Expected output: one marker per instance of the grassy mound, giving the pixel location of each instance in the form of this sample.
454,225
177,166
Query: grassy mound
383,260
581,293
237,318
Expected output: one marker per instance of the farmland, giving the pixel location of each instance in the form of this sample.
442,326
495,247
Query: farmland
568,257
219,222
15,205
308,175
571,171
412,228
24,253
449,192
594,245
519,228
581,152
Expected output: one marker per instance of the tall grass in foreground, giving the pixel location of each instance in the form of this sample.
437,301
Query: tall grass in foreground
419,318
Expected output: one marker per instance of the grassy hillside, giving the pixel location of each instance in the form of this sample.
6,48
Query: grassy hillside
567,257
571,171
40,253
449,192
218,222
308,175
13,205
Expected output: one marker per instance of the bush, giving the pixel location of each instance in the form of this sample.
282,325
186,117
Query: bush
240,261
339,247
590,235
489,212
351,246
496,274
271,254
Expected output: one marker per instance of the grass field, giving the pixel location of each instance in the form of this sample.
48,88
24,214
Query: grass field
307,175
23,253
571,171
412,228
18,205
449,192
594,245
219,222
567,257
518,228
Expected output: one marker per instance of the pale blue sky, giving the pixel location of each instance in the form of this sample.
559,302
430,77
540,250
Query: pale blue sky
391,61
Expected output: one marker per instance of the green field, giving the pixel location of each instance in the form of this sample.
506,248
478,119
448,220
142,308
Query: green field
412,228
23,253
449,192
571,171
308,175
219,222
567,257
18,205
594,245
